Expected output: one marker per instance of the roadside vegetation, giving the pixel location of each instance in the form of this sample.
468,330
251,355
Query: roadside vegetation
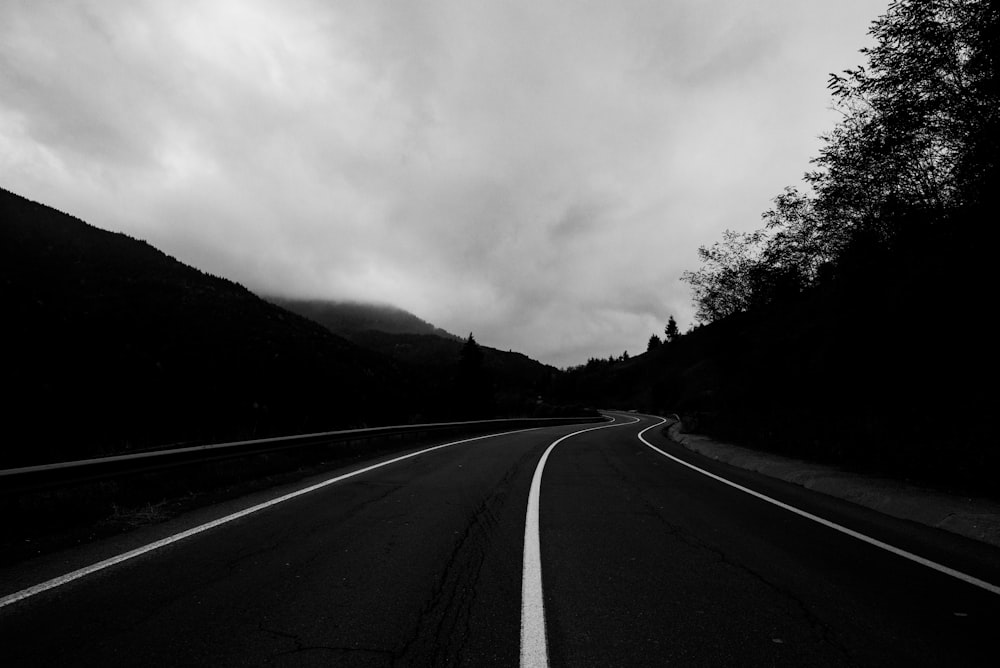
852,326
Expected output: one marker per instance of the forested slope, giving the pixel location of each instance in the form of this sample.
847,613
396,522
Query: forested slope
507,383
112,345
854,326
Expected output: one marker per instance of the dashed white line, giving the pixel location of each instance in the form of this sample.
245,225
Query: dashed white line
941,568
101,565
534,649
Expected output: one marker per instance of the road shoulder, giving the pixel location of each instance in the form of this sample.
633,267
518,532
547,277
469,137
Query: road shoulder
975,518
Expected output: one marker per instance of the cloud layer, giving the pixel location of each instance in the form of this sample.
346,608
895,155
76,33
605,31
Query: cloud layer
538,172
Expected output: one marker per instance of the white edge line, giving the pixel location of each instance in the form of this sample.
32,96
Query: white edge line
131,554
964,577
534,649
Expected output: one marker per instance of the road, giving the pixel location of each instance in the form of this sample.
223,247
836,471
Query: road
643,562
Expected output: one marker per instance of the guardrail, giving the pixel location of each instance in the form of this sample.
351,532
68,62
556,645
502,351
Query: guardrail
34,478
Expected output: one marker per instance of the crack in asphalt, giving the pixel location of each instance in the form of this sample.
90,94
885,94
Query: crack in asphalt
446,617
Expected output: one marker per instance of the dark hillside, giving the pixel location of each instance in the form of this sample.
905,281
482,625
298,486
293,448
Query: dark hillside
516,381
355,319
111,344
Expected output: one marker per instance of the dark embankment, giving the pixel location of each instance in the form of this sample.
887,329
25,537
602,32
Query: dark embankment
111,345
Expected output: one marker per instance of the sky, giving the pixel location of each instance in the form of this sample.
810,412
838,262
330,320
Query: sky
537,172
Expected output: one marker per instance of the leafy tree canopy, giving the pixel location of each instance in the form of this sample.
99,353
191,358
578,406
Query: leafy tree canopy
916,146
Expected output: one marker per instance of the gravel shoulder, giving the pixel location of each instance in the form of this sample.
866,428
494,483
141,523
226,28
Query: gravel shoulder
975,518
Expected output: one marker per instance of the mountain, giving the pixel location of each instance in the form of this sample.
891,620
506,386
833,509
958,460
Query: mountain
112,345
355,319
430,353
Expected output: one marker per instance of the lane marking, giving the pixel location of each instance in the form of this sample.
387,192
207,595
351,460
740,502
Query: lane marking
534,650
131,554
941,568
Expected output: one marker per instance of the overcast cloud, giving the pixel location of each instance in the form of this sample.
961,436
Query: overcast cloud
539,172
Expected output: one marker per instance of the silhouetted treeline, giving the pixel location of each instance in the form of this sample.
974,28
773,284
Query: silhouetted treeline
852,326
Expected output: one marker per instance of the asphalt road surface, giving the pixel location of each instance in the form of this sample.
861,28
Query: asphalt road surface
643,562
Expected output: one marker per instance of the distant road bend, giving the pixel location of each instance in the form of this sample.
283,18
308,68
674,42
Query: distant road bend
586,545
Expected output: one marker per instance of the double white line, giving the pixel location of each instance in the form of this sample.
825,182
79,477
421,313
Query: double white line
534,650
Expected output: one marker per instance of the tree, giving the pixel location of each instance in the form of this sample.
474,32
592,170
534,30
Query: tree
800,240
654,343
917,118
724,283
471,357
474,392
914,153
670,331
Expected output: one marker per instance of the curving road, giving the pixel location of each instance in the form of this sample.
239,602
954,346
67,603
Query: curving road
640,561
